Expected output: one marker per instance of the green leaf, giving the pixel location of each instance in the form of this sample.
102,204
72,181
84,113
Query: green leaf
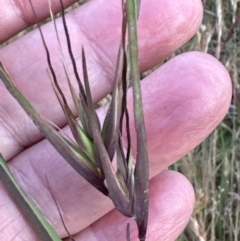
87,143
82,158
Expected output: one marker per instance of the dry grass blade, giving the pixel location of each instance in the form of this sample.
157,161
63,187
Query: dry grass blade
89,111
116,186
123,159
124,85
82,93
89,108
110,132
82,139
117,189
141,200
128,232
233,27
80,104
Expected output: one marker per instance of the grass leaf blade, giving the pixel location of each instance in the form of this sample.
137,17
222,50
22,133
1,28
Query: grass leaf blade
111,126
117,190
81,89
141,200
137,8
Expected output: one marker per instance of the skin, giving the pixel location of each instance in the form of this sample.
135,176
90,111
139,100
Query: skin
184,100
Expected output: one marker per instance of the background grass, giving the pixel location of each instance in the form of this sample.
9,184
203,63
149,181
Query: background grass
214,166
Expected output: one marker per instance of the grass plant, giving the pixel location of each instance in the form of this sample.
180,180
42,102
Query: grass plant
214,166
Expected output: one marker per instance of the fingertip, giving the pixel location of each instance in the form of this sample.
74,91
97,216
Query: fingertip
172,202
208,78
184,101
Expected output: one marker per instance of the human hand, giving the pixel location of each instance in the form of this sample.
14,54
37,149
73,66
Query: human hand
184,100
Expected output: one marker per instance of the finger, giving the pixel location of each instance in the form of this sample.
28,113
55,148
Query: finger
171,205
184,101
17,15
25,59
189,97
